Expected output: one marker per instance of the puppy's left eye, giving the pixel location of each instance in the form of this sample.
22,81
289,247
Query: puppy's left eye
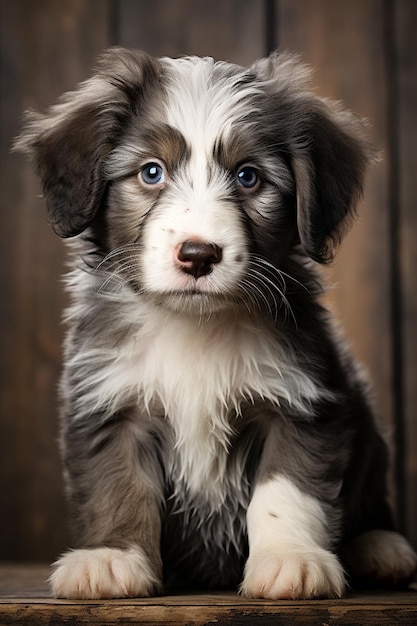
248,178
152,175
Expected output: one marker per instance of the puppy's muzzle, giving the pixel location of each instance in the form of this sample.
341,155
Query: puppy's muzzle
198,257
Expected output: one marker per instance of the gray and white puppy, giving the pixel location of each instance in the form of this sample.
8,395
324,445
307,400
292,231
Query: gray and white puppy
215,431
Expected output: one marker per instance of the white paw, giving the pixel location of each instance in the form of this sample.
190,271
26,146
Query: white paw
103,573
293,573
381,556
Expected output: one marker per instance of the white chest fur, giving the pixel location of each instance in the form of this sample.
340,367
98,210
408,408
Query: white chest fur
200,371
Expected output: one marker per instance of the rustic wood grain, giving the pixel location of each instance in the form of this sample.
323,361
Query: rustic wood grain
405,218
233,30
46,48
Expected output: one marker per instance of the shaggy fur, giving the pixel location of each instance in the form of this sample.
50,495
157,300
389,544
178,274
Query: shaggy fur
215,431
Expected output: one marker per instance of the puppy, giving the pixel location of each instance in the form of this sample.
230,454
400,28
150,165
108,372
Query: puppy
215,431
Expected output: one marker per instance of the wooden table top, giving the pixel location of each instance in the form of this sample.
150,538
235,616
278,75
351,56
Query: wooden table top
25,599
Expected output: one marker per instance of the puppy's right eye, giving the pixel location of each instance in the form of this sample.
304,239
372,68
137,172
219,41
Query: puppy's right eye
152,175
247,179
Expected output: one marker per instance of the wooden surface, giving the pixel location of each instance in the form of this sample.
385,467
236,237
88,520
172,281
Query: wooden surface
24,599
364,53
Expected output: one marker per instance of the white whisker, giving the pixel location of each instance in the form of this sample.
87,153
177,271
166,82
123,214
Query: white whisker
118,268
268,285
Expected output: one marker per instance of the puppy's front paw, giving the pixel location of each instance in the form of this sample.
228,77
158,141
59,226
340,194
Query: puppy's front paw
103,573
293,573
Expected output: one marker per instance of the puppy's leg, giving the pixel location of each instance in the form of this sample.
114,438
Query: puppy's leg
115,491
381,556
288,540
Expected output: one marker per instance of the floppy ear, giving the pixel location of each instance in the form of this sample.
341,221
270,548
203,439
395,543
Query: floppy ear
329,170
328,151
69,144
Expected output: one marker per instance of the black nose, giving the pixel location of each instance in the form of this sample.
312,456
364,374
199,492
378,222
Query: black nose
198,257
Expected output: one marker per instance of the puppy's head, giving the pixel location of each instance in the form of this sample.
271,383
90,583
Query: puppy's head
199,177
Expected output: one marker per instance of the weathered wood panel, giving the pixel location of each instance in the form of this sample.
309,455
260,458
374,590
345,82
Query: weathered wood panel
46,48
232,30
404,219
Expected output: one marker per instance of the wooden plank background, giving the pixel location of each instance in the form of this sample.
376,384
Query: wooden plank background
364,53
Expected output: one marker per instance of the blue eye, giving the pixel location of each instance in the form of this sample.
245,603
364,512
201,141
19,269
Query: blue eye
247,177
152,174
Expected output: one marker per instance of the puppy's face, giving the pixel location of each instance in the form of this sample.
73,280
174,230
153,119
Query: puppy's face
195,184
197,179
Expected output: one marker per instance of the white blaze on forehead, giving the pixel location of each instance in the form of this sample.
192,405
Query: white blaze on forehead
204,101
